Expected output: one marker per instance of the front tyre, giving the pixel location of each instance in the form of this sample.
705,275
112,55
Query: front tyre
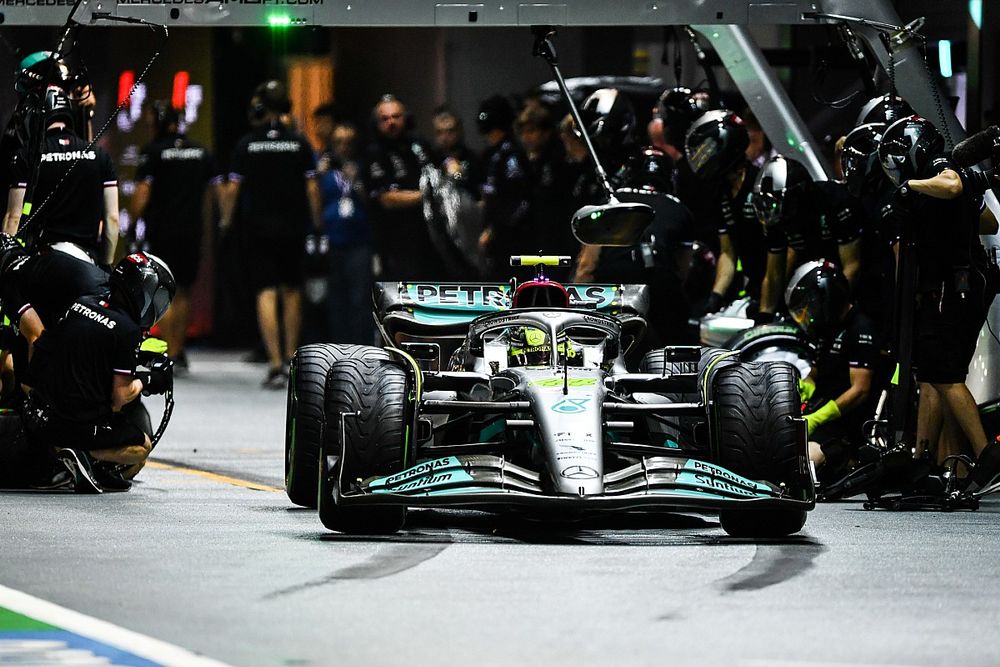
305,416
366,411
757,434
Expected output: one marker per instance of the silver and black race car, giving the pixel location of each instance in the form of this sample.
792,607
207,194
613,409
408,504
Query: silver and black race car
503,397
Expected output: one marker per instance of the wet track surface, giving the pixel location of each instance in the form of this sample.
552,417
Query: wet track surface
220,563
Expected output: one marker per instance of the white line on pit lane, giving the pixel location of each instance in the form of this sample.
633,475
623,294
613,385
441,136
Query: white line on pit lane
102,631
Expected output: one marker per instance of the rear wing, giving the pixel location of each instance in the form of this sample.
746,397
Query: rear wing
446,309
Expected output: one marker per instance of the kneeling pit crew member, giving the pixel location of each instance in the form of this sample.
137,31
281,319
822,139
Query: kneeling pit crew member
86,372
839,389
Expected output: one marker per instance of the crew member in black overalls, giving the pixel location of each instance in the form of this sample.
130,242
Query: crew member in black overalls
937,208
662,256
85,370
716,150
171,182
803,221
391,174
272,181
506,190
76,204
840,390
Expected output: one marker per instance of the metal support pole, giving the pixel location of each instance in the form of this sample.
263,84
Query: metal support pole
765,96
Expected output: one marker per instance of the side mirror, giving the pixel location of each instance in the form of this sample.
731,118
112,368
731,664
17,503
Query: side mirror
613,224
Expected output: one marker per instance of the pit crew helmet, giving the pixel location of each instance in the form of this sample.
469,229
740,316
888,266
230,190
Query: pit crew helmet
884,109
860,158
143,284
907,148
780,190
678,108
817,296
33,70
716,143
57,107
651,170
530,346
609,118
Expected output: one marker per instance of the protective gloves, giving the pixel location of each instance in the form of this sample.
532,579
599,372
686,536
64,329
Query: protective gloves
806,389
826,413
156,374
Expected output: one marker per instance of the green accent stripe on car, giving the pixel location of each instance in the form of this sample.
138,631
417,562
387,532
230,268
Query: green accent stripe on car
11,621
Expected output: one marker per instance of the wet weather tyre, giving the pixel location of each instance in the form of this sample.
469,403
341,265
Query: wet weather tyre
305,413
757,435
369,397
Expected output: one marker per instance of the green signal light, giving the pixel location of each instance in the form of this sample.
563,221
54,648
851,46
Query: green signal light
595,215
279,21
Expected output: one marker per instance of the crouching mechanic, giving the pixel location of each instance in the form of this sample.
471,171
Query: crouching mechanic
86,373
839,390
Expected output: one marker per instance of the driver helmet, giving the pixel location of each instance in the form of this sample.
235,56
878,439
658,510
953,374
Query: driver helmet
531,346
817,296
609,119
678,108
716,144
781,189
907,148
884,109
860,158
143,285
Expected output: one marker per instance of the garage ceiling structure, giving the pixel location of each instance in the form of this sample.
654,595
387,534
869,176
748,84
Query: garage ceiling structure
724,23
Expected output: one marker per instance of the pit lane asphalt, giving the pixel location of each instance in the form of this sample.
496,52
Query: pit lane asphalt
238,574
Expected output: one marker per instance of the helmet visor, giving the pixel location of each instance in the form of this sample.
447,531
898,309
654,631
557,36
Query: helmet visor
768,207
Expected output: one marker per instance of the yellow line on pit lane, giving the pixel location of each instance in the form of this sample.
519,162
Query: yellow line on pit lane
214,476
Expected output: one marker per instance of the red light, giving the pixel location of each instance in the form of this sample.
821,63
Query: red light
179,97
125,82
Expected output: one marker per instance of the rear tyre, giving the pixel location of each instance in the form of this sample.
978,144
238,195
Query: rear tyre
755,406
305,416
376,391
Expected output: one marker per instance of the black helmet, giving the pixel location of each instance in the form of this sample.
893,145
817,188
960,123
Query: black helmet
165,116
609,118
884,109
495,113
678,108
860,157
782,185
651,170
35,68
144,286
907,148
816,297
57,107
716,143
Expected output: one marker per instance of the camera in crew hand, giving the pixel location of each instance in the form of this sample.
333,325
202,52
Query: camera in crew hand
156,372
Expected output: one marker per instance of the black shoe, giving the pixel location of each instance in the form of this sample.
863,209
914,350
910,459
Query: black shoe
984,476
276,378
109,476
60,478
79,462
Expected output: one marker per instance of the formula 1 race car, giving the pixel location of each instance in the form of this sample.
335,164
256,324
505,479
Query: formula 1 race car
535,411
